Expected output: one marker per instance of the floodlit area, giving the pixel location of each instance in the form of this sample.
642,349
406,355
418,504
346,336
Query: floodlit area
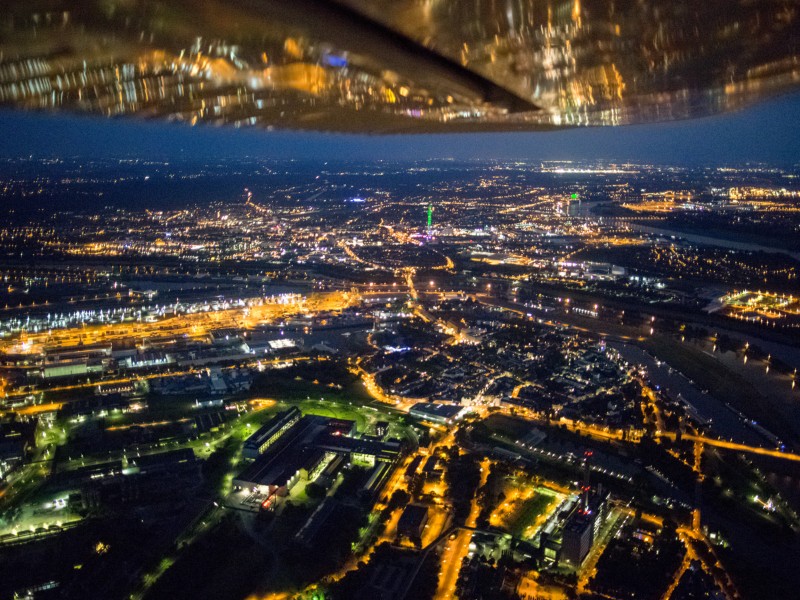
525,508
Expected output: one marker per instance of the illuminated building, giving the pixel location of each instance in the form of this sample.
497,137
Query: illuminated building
15,440
578,537
381,428
444,414
297,448
270,432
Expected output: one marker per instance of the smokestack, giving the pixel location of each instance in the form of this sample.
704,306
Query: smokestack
586,485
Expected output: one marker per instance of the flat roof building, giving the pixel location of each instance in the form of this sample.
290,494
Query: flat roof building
309,448
361,452
412,468
444,414
432,468
342,427
280,466
270,432
413,520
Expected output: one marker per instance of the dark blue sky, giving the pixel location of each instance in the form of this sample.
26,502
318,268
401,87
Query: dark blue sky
769,132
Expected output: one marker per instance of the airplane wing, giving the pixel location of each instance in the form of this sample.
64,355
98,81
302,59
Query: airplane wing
391,66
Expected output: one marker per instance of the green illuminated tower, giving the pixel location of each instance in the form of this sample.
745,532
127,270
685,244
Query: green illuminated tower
430,218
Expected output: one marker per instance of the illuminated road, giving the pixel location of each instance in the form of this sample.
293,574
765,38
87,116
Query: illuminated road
456,549
634,435
601,433
733,446
676,579
699,548
349,251
409,277
692,541
589,567
376,391
651,401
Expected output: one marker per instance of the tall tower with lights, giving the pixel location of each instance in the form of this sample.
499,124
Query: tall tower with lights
430,221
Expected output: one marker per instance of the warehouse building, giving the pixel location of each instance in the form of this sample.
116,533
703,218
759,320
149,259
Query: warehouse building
443,414
270,432
309,448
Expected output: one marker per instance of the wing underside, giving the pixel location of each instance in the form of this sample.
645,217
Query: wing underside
387,66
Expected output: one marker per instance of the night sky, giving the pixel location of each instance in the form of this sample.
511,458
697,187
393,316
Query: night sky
768,132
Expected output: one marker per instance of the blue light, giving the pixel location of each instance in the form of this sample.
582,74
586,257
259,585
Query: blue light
334,61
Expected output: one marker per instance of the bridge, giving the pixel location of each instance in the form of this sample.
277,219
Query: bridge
697,439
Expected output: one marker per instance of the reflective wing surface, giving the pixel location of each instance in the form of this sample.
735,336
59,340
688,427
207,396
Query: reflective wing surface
382,66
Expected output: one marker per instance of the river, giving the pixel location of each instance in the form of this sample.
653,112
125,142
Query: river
712,241
724,422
